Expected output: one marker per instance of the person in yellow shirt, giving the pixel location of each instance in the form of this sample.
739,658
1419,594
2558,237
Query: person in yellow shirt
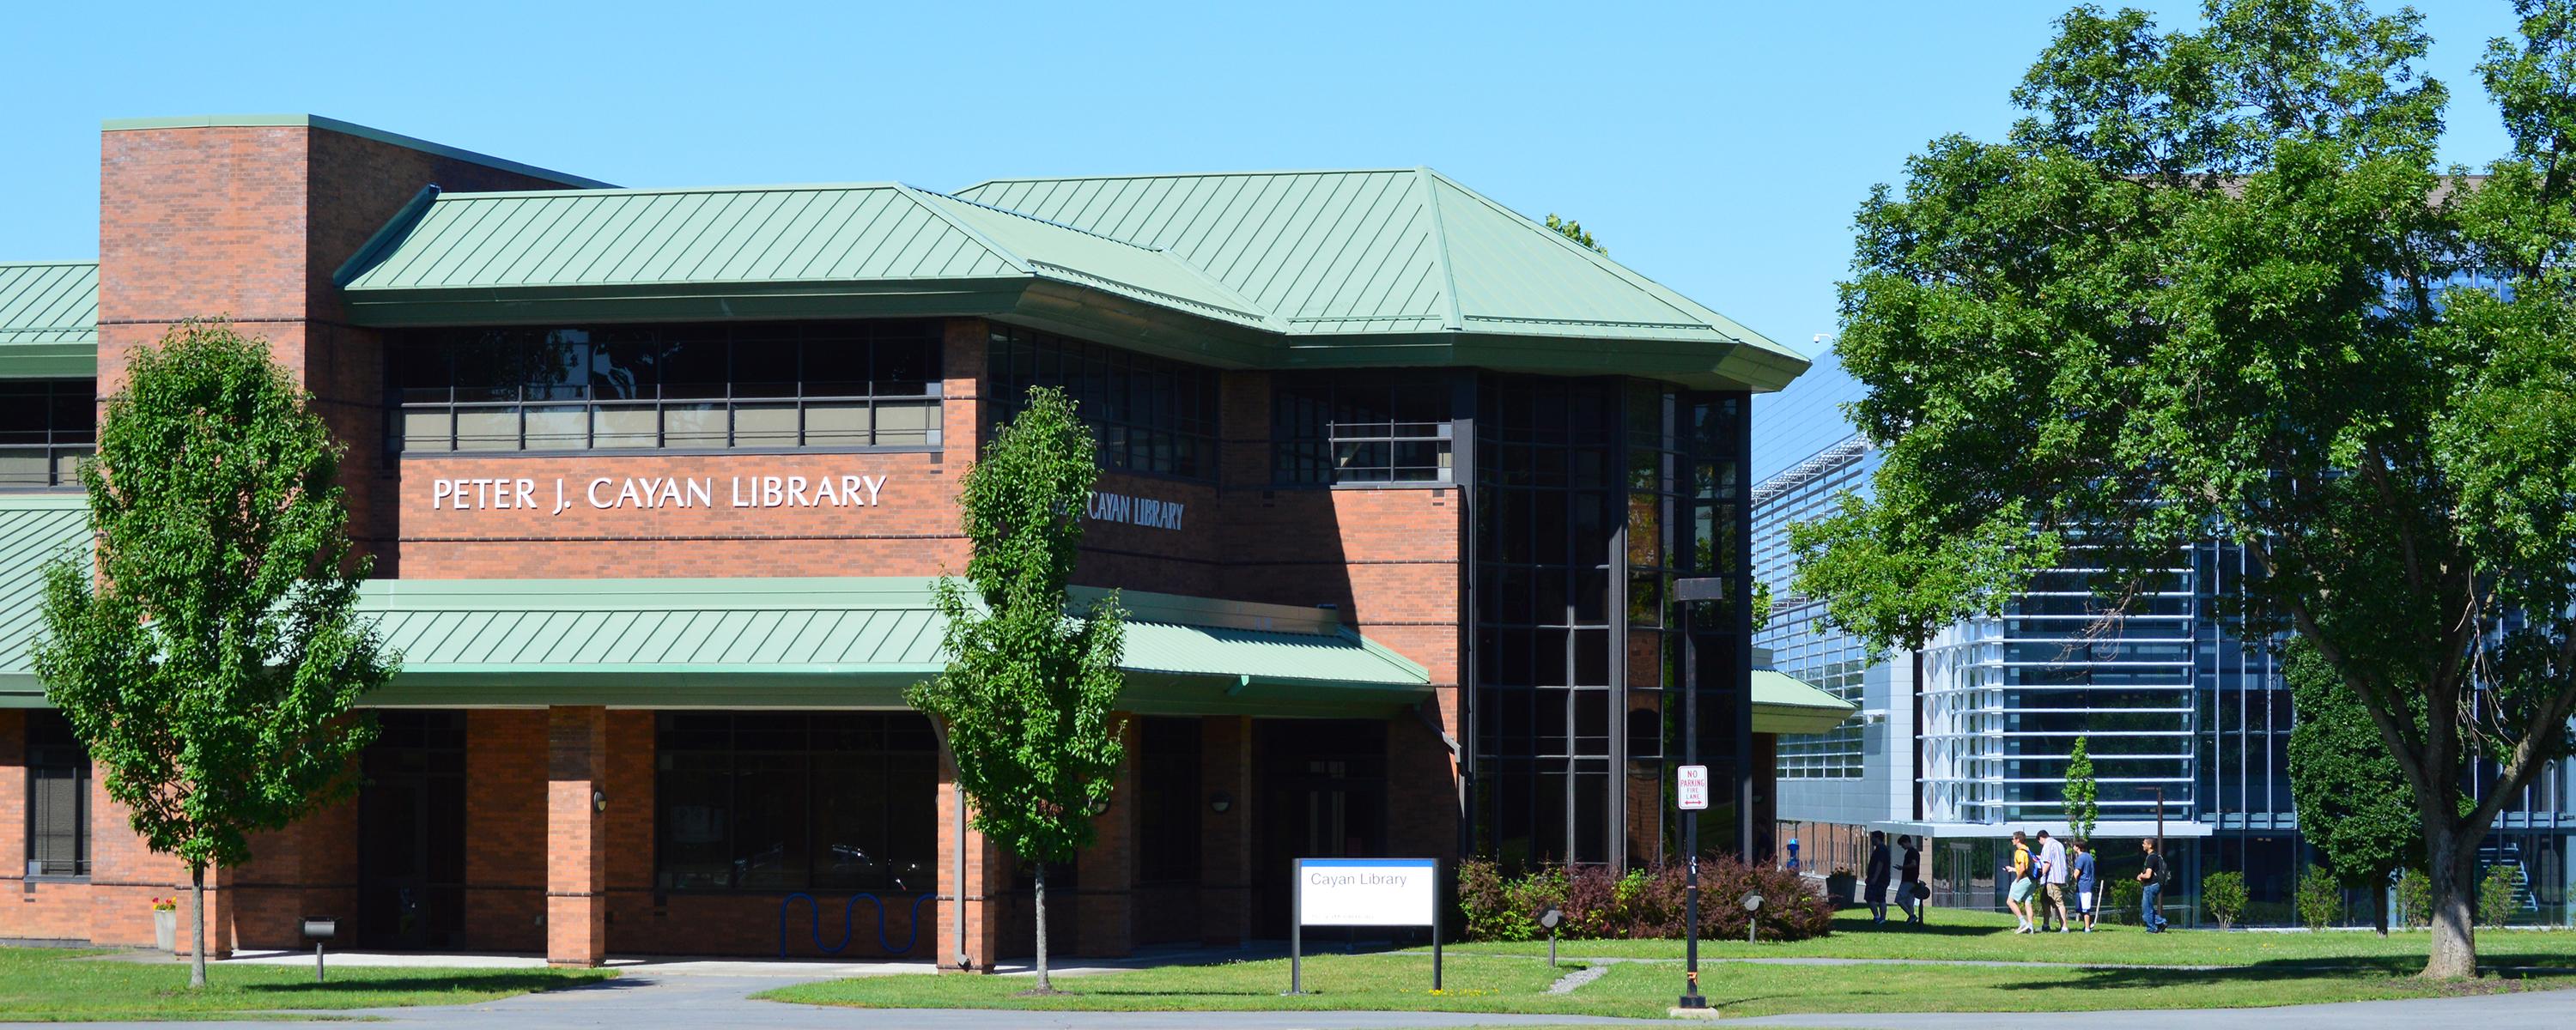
2019,898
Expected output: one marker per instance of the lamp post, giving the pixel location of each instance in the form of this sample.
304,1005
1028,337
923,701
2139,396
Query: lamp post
1549,919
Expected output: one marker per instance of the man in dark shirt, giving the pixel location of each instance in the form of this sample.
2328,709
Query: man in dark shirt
2152,889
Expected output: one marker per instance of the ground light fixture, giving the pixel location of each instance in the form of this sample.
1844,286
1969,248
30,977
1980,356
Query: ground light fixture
320,929
1752,914
1549,919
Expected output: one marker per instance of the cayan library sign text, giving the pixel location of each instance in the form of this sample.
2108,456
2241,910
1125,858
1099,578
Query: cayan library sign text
562,493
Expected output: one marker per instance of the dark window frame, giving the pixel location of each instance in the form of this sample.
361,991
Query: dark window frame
600,372
824,735
68,411
1318,440
51,748
1152,416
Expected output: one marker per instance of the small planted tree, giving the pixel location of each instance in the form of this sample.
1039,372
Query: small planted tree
2223,894
2083,795
211,663
2353,802
1025,702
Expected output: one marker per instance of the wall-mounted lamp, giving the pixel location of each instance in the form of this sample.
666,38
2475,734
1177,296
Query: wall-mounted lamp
1219,802
599,800
1097,807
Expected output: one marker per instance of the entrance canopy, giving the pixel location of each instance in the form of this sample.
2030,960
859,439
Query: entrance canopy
1785,704
836,643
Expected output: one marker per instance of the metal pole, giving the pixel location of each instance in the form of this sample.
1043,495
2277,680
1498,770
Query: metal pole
317,962
1691,998
1435,942
1297,930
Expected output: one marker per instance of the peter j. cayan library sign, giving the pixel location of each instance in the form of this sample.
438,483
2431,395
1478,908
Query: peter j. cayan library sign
559,494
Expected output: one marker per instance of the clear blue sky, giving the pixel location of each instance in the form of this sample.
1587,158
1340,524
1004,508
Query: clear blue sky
1719,147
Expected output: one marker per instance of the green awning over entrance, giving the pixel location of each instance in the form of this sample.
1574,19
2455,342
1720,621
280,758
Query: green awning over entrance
1785,704
835,643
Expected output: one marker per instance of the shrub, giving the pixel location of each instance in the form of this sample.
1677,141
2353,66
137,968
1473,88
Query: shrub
1638,904
2126,897
2496,895
1486,905
2415,897
2320,899
2223,894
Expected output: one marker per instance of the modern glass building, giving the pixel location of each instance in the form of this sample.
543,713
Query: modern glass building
2187,727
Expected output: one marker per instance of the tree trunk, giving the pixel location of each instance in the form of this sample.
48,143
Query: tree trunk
1043,984
2455,945
197,925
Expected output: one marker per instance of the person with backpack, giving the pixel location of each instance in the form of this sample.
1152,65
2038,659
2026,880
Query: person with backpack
1911,892
2152,889
2018,898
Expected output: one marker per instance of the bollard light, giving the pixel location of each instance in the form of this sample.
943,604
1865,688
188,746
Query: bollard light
1753,915
320,929
1549,919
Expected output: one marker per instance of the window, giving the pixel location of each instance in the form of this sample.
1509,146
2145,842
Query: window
1374,432
57,798
1151,415
763,386
1168,823
790,801
47,426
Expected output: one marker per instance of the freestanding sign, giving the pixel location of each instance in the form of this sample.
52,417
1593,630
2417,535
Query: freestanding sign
1694,788
1363,892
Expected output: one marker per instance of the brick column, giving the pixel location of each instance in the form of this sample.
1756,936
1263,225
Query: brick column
576,855
1105,905
987,879
1225,838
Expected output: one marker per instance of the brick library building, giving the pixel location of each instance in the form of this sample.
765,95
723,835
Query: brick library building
1396,486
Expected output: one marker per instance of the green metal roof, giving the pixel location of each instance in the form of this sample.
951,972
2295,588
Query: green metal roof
49,320
833,642
1371,268
34,529
1785,704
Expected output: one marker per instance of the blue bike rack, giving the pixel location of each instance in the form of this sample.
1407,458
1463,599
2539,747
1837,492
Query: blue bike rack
849,923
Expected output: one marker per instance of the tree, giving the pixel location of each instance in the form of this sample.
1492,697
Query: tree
2083,807
1574,231
2353,803
2213,286
1025,702
211,664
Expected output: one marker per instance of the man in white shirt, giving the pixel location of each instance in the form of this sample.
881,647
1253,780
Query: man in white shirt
2052,877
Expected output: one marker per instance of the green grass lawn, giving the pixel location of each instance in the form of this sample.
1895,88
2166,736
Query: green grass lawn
2267,969
54,984
1987,936
1401,982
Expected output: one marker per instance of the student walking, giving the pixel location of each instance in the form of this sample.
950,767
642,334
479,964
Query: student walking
1909,879
2052,881
1874,879
2152,889
2085,881
2018,898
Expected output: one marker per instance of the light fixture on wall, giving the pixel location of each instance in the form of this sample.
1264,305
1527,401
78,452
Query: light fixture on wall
1219,802
1099,806
599,800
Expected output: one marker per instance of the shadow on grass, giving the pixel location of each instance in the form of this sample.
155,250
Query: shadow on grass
499,981
2275,971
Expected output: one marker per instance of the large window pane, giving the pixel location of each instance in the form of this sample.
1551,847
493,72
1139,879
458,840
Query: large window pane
624,426
695,425
487,429
558,428
764,425
836,424
1148,414
786,801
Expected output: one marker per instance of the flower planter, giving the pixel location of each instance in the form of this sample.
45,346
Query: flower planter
1839,888
165,929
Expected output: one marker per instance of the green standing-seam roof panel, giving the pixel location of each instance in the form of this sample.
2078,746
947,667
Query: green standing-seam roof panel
1785,704
833,642
35,528
1353,268
49,319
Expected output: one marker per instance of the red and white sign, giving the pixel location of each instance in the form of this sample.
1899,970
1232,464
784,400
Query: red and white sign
1694,792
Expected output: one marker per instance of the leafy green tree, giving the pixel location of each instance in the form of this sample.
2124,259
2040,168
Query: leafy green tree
2223,894
2214,285
1574,231
2083,794
1025,702
2352,798
211,664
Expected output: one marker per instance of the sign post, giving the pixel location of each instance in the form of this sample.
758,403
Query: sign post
1362,892
1686,591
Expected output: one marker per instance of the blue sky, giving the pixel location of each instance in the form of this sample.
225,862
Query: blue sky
1717,147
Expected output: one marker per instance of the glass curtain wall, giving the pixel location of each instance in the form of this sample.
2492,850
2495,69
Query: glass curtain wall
1592,496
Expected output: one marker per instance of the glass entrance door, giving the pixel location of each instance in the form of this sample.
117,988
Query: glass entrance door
411,833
